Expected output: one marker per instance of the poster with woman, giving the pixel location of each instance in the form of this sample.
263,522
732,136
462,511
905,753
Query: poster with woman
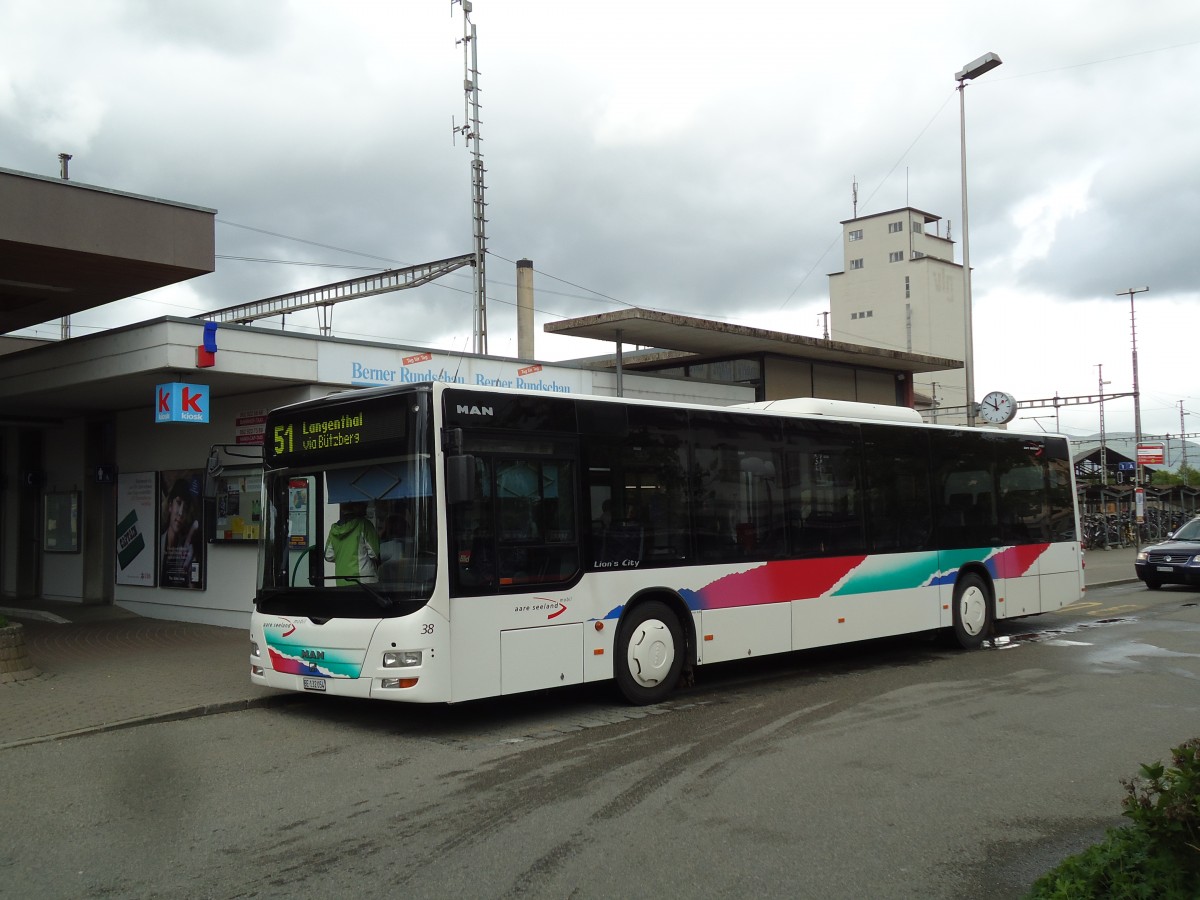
181,539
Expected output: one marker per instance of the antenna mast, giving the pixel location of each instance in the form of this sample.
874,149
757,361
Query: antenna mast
854,196
470,132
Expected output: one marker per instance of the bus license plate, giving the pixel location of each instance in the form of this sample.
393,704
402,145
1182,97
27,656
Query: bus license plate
314,684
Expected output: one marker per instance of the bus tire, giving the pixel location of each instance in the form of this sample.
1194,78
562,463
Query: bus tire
972,611
649,653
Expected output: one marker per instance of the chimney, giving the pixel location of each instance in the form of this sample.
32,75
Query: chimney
524,309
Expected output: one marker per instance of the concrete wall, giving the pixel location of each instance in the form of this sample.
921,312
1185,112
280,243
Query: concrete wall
787,378
73,216
62,573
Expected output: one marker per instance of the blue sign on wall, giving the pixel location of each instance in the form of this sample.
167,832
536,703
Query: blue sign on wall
178,402
1126,466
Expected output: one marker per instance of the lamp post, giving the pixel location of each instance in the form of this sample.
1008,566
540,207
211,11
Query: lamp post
1182,442
1103,449
1139,491
985,63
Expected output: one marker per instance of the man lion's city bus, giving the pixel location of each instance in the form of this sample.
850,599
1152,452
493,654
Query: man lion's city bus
515,541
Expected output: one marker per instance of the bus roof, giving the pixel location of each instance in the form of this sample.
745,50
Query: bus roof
840,409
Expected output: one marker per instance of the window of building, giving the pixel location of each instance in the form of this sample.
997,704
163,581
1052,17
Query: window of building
917,254
896,256
918,228
907,287
893,227
856,235
856,263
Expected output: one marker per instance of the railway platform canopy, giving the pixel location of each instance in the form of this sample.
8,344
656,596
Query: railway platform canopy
76,246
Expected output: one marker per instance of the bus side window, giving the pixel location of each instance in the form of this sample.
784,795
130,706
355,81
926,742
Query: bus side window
622,542
637,491
823,484
536,540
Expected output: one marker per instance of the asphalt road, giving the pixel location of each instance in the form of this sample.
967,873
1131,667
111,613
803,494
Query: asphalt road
890,769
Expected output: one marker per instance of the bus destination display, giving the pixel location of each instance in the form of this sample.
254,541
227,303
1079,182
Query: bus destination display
325,436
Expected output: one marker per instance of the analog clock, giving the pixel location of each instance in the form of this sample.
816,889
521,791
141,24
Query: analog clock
998,408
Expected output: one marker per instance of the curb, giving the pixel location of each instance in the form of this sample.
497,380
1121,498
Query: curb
192,712
20,612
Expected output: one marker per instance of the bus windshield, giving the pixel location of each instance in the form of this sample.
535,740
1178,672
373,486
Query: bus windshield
349,526
362,533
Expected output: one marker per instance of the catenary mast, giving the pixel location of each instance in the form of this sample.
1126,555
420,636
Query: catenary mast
470,131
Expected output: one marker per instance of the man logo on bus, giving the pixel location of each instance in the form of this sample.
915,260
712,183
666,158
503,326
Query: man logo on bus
465,410
312,654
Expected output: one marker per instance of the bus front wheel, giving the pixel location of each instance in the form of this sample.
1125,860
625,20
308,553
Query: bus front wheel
649,653
972,612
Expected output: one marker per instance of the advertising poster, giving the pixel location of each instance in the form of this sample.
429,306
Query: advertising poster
136,527
181,546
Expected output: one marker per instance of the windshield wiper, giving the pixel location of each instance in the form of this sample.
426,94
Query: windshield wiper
383,600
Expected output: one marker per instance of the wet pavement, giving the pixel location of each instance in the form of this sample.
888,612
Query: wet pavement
1108,566
102,668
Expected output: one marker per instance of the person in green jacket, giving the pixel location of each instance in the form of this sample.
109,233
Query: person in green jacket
353,546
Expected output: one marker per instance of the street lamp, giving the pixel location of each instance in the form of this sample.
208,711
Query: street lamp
1103,449
985,63
1139,491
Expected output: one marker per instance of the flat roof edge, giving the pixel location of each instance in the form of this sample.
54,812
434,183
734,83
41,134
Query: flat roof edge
103,190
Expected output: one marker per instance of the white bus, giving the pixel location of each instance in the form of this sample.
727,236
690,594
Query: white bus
441,543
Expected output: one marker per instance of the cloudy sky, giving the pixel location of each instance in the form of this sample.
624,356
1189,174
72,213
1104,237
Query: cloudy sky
691,157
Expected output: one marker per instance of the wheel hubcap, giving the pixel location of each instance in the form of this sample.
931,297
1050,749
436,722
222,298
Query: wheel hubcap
972,608
651,653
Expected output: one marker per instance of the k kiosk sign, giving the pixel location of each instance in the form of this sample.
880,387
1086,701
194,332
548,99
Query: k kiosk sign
178,402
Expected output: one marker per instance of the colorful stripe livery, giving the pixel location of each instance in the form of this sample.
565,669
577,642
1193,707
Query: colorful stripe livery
293,658
804,579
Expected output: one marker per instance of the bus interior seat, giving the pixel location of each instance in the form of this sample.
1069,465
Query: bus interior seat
622,541
956,510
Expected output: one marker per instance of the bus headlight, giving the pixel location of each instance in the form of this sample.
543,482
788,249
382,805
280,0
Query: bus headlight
254,649
397,659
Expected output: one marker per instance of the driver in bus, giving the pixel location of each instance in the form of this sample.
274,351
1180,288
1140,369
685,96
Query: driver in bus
353,546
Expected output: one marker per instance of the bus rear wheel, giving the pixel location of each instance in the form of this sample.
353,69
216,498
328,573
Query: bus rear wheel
649,653
972,612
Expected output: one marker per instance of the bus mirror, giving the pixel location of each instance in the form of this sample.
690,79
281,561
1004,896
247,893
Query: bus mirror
460,478
452,441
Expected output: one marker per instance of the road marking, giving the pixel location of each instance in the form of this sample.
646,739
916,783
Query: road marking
1099,609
